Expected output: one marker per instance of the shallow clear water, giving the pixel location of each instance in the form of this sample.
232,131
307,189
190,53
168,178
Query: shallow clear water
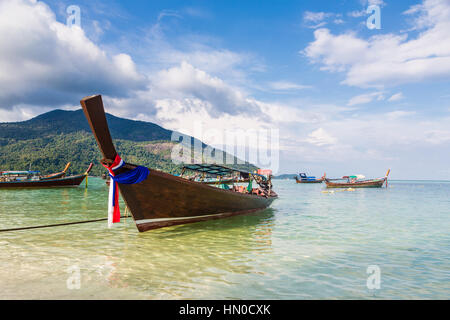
309,245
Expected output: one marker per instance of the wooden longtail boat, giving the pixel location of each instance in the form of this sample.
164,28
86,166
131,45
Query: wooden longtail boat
162,199
6,176
354,183
305,179
72,181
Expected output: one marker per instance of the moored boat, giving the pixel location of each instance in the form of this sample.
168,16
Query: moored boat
357,182
160,199
308,179
31,179
6,176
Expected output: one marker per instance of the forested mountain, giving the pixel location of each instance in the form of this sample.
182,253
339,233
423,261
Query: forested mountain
48,141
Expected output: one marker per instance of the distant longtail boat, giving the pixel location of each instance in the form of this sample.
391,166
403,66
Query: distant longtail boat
305,179
356,182
32,179
161,199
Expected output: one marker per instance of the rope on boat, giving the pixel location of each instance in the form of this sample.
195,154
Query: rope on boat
54,225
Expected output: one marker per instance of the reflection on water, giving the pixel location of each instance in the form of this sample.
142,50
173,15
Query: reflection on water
309,245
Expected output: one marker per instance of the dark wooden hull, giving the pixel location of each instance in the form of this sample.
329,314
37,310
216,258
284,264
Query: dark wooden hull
164,200
72,181
376,183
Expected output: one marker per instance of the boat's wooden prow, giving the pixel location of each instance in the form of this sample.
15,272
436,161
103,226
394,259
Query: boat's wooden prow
89,169
67,167
95,114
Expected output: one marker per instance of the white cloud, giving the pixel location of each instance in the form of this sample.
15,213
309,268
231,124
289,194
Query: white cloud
357,14
396,97
187,81
168,13
374,2
437,137
414,9
320,138
44,62
393,115
185,114
316,20
17,113
287,85
389,59
191,92
336,53
315,16
365,98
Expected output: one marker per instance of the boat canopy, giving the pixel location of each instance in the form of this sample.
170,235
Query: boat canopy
358,176
219,170
5,173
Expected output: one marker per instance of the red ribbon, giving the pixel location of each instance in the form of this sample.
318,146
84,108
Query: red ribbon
113,207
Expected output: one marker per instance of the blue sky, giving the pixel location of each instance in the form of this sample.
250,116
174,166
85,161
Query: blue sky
344,98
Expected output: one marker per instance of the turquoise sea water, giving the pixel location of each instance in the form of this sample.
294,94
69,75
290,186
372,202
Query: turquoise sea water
309,245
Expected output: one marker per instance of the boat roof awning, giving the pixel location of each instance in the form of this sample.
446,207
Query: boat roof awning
218,170
357,176
19,172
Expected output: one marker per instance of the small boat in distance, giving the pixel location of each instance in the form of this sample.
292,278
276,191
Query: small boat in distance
357,181
305,179
161,199
30,175
33,179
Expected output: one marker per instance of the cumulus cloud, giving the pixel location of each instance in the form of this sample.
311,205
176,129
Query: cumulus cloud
44,62
187,81
193,93
389,59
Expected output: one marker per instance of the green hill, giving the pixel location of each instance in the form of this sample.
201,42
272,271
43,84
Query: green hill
48,141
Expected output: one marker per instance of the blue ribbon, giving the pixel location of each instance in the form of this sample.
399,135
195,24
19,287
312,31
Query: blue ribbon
133,176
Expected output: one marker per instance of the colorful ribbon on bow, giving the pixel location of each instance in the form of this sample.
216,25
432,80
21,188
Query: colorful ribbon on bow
133,176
